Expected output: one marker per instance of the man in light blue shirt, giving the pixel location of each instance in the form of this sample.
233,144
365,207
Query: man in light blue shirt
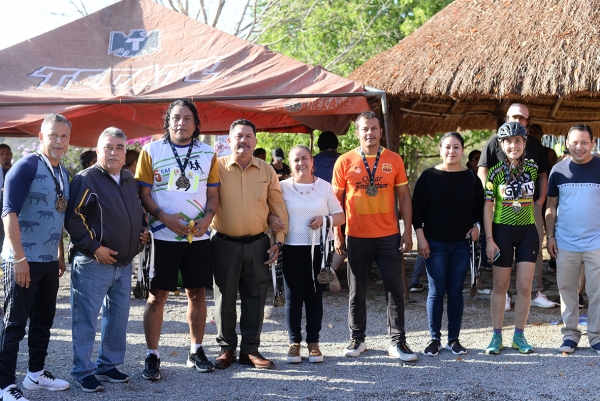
573,228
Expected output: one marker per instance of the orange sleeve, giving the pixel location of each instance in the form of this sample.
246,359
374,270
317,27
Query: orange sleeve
401,178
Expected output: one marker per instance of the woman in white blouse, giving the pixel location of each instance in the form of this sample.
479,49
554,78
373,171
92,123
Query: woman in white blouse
310,202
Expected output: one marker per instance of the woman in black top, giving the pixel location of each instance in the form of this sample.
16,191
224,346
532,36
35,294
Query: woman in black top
447,209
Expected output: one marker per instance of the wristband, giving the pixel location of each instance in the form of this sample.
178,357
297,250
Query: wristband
489,238
550,236
280,245
19,260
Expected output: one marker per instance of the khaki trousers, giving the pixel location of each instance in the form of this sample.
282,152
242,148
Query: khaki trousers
568,267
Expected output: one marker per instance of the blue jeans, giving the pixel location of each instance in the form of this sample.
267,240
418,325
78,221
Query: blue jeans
93,286
447,268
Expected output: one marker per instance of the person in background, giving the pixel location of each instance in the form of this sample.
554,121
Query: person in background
325,160
87,159
5,158
283,170
447,211
309,201
511,231
474,156
131,160
260,153
6,163
535,131
323,166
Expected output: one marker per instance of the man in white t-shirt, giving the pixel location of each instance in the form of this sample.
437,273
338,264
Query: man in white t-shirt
179,182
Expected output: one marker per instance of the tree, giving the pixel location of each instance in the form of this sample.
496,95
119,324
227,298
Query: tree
341,35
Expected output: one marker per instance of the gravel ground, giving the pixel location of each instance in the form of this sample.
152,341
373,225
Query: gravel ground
544,375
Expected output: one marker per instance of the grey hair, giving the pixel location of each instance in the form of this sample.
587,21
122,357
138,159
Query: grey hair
55,118
113,131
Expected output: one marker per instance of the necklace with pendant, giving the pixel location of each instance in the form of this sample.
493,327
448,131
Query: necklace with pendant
303,192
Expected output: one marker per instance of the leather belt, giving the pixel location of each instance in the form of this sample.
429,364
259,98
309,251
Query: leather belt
244,240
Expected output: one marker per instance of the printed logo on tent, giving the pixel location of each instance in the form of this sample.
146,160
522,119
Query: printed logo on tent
138,43
293,107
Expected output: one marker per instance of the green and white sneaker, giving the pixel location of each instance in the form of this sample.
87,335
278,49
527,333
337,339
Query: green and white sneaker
495,345
520,343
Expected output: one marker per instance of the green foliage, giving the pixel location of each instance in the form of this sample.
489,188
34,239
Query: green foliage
341,35
421,152
269,141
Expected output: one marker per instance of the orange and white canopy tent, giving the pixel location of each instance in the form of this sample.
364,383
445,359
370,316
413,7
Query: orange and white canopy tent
122,66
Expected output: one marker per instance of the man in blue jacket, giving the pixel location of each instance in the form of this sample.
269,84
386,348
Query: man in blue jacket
105,220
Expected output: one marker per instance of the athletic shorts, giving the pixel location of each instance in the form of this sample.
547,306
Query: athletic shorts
193,260
522,242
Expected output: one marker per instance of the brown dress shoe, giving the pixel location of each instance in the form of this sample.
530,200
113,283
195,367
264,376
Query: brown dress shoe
257,360
223,361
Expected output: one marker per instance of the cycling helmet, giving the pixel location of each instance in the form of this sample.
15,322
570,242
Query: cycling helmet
511,128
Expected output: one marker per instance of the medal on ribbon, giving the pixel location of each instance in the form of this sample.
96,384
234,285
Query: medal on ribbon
61,201
371,188
182,181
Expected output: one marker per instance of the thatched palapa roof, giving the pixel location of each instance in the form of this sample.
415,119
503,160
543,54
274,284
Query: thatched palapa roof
465,66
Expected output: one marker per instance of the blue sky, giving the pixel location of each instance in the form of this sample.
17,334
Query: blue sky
24,19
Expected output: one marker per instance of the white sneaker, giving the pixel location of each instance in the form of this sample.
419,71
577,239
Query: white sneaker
355,348
13,393
542,302
507,304
401,351
45,381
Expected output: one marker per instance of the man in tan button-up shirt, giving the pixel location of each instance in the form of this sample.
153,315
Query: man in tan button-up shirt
240,250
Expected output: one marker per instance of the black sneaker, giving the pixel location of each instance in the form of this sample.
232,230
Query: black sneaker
433,347
199,361
90,384
355,348
151,368
418,287
400,350
113,376
581,303
456,348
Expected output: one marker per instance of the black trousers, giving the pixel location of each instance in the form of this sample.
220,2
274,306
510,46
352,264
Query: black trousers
300,289
38,303
361,254
240,267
